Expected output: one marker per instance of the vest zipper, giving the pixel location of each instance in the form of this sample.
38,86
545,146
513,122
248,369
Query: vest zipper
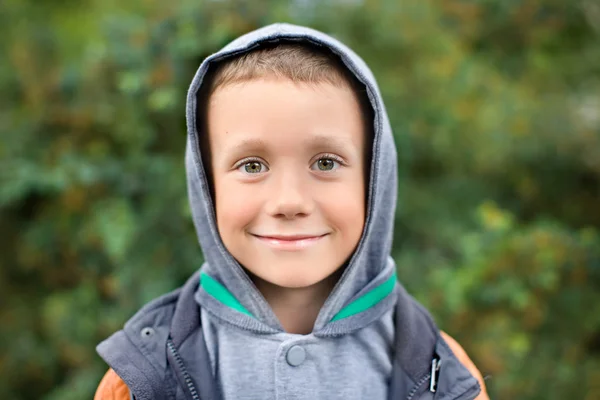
186,376
418,385
432,377
435,368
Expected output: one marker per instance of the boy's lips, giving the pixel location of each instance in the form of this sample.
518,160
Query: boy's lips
289,242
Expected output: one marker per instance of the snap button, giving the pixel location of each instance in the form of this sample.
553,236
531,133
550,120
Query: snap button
147,333
295,356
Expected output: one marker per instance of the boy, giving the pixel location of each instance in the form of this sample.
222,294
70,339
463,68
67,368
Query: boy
291,170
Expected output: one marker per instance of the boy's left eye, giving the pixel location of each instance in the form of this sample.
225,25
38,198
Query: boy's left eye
325,164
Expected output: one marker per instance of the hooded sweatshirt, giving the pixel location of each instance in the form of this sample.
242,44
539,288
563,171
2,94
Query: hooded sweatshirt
249,350
218,338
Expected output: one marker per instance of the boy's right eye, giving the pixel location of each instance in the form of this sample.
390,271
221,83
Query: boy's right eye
252,167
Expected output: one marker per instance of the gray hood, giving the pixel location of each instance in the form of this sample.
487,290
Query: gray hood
369,268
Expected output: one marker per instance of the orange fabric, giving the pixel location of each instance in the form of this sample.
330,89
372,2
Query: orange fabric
464,359
112,388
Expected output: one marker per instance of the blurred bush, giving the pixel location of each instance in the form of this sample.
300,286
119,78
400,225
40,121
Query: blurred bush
496,109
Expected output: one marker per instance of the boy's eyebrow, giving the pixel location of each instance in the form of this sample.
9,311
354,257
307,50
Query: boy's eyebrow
250,144
318,141
326,140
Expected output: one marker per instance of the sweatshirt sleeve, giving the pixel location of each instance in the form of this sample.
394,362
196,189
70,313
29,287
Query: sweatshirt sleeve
112,387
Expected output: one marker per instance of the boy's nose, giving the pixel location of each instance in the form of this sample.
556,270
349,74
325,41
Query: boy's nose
289,198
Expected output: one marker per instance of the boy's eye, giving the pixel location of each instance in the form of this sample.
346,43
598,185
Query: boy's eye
253,167
325,164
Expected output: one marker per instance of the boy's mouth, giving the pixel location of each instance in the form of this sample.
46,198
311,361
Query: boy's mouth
289,242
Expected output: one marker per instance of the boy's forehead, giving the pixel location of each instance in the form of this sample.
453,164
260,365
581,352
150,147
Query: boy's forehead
257,113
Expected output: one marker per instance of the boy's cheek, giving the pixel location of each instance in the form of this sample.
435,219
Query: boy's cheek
235,209
344,206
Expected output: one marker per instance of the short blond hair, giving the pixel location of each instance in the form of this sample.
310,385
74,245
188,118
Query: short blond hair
297,62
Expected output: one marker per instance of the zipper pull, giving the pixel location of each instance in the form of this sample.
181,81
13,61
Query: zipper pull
435,368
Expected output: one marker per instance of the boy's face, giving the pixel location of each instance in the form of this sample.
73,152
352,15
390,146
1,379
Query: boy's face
288,172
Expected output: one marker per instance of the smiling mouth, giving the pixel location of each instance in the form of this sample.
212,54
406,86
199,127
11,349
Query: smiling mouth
289,242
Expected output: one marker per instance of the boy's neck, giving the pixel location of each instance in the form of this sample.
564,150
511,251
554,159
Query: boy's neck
297,308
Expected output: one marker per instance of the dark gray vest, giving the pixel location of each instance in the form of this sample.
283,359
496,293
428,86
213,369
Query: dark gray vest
161,354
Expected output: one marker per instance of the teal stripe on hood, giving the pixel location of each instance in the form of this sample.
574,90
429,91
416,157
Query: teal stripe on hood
369,267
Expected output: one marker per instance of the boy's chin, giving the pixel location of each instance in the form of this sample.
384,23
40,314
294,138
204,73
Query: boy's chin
293,278
293,282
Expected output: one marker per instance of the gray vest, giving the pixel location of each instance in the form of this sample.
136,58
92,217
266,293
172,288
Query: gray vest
161,354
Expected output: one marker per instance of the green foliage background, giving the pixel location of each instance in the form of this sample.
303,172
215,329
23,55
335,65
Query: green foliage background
496,110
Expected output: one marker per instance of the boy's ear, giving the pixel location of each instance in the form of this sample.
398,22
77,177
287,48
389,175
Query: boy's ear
464,359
